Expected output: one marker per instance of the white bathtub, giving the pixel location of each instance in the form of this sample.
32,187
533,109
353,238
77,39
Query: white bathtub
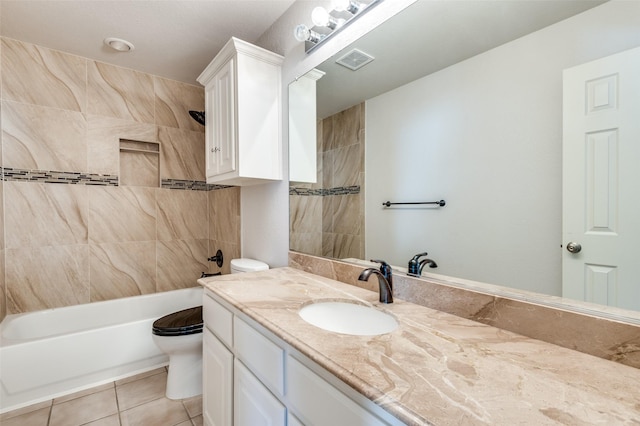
46,354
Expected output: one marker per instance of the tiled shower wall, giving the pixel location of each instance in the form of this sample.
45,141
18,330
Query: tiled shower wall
327,218
73,232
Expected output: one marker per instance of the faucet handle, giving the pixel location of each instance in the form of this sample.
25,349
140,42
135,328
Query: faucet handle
385,268
382,263
419,255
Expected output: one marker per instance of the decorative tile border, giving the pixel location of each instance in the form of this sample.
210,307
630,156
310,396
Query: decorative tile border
77,178
340,190
191,185
52,176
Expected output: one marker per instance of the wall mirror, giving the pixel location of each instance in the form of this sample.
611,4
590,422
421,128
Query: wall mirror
462,102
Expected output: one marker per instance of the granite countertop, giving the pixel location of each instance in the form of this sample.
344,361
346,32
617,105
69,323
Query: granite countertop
437,368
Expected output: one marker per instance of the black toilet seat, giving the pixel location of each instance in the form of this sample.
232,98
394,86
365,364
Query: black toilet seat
181,323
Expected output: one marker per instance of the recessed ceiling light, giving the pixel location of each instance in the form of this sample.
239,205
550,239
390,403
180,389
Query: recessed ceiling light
119,44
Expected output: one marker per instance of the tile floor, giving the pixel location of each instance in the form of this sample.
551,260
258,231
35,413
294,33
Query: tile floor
134,401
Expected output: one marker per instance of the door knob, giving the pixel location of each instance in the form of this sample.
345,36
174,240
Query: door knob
574,247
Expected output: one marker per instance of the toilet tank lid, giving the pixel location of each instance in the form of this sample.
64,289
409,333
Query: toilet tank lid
247,265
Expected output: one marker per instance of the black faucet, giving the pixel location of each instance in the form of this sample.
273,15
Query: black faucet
385,280
416,265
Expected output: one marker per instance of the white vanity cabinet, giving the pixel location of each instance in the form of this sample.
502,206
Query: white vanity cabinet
251,377
243,106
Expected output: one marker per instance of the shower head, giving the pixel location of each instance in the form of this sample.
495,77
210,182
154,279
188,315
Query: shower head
198,116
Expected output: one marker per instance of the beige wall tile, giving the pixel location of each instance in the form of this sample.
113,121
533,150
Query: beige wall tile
346,126
103,136
346,246
42,138
140,169
346,214
182,215
42,214
327,143
40,76
119,214
306,242
182,154
305,214
327,169
347,164
173,100
47,277
224,215
119,92
122,269
328,242
180,263
327,213
230,251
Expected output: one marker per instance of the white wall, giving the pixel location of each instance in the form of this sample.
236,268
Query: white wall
485,135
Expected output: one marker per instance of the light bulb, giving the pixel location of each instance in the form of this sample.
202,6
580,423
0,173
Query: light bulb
301,32
320,17
340,5
350,6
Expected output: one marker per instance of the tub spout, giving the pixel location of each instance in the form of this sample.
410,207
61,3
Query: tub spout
205,275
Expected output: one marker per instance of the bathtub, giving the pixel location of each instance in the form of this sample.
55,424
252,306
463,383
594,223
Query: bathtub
50,353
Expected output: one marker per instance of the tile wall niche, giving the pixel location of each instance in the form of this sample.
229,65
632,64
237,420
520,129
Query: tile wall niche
327,217
72,232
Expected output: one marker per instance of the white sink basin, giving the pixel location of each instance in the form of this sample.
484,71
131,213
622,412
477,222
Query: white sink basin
348,318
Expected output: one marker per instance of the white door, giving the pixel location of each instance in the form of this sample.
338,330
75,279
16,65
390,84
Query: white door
601,181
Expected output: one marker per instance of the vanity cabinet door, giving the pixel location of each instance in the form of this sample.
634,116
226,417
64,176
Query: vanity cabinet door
253,404
316,402
217,368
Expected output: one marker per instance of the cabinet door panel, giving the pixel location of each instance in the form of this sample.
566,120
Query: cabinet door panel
316,402
253,404
261,355
218,319
217,403
226,119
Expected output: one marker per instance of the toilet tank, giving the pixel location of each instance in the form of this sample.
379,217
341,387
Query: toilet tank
247,265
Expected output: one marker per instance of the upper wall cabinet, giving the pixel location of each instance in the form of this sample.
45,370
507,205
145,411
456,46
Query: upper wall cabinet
243,102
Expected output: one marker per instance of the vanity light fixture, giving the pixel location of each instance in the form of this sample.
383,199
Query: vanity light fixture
327,23
119,44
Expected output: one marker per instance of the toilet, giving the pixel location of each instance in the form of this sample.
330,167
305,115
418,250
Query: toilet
179,335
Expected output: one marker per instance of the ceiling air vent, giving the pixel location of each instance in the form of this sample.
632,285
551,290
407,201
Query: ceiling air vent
355,59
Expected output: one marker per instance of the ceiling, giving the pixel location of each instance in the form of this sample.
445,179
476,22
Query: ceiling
175,39
431,35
